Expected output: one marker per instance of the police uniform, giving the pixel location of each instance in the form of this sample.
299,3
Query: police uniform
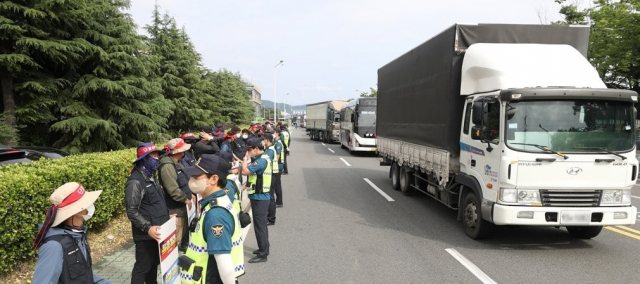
217,232
259,187
275,184
285,137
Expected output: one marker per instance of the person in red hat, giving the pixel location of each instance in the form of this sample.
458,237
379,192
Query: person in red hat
189,158
147,211
63,237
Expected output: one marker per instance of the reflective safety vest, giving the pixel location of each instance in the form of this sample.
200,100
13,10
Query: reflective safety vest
285,137
261,183
196,272
274,161
281,161
236,198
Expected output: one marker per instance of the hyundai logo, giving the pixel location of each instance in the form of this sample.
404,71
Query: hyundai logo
574,171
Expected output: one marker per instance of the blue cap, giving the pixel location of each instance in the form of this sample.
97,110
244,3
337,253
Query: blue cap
209,164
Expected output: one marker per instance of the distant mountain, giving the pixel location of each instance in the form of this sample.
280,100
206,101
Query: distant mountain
289,108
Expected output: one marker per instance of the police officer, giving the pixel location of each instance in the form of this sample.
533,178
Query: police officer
215,251
279,148
176,187
258,187
147,211
275,182
285,137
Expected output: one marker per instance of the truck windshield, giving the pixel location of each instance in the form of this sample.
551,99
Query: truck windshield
570,126
366,116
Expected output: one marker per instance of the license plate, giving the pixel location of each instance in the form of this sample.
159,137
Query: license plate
575,217
373,149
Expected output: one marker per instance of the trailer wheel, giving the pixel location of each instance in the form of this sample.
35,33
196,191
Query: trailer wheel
393,172
474,226
584,232
405,188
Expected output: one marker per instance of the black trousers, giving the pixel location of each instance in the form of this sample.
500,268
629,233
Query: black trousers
260,209
145,270
285,169
276,192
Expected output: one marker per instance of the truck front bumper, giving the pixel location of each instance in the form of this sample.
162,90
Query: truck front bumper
563,216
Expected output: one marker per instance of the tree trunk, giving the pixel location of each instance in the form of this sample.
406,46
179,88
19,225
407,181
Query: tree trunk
6,81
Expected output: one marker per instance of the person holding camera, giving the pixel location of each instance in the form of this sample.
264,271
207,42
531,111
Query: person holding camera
207,143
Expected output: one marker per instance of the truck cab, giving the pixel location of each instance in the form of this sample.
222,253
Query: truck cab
546,142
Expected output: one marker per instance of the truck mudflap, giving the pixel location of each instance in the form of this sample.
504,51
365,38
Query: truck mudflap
564,216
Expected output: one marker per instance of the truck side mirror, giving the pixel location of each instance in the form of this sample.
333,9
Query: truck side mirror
478,113
476,132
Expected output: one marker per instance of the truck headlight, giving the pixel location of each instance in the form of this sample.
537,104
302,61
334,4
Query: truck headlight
526,196
612,196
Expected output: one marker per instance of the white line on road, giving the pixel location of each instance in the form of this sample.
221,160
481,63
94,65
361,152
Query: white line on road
323,144
635,196
345,162
469,265
331,150
379,190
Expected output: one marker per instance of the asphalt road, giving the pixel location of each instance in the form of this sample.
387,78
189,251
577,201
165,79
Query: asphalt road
335,227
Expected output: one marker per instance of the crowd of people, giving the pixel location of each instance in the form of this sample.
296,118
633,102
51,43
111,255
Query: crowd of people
210,171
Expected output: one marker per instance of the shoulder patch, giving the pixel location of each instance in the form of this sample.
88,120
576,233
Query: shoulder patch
217,230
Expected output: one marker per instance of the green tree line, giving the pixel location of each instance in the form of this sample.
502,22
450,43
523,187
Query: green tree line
76,75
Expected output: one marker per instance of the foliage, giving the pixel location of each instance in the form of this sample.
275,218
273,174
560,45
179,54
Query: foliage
614,39
78,76
373,93
25,191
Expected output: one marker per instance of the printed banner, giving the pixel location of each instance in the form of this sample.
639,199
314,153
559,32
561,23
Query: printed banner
168,249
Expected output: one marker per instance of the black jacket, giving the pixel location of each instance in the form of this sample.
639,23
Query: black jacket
206,147
144,200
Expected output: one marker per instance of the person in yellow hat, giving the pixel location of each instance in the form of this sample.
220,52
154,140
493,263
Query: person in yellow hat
64,255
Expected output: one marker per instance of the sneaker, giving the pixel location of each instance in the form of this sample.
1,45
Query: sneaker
271,223
278,205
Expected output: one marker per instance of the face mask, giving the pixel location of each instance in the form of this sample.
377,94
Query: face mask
245,136
197,186
238,135
90,211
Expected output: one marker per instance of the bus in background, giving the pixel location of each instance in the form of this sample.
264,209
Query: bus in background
358,125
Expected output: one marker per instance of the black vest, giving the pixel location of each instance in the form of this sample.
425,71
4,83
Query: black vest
75,268
183,184
152,206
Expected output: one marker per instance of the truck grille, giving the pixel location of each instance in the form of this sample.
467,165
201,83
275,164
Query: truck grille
581,198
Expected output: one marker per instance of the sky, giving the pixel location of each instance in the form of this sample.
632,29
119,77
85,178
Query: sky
331,49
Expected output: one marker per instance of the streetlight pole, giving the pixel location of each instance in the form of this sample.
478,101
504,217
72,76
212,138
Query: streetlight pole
275,92
284,105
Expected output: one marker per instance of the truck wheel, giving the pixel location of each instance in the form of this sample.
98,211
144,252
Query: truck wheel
474,226
584,232
405,188
393,172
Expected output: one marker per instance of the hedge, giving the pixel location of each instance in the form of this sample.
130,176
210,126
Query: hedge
25,191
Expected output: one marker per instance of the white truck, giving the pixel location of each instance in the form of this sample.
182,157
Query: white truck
510,125
323,120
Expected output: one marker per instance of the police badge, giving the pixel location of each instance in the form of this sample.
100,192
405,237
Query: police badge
217,230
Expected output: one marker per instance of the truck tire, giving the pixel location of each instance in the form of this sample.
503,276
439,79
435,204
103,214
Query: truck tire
395,176
584,232
474,226
403,179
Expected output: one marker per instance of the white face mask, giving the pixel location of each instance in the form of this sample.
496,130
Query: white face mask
197,186
90,211
245,136
238,135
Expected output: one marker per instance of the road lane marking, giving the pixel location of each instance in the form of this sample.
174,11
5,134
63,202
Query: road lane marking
378,190
345,162
331,150
623,232
323,144
628,229
635,196
470,266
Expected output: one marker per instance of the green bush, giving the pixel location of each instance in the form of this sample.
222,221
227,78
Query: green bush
25,191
